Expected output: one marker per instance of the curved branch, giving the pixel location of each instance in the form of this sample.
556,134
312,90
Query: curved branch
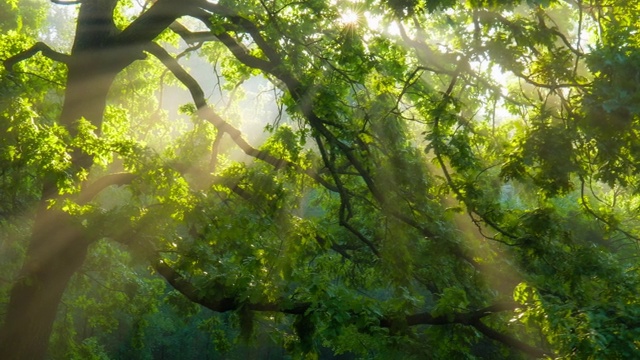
540,14
510,341
585,204
152,22
205,111
286,306
90,191
224,303
66,2
36,48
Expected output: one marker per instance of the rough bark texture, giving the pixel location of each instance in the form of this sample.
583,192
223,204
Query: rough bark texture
58,245
56,251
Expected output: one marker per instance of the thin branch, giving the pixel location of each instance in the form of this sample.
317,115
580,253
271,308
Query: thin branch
66,2
53,82
360,236
345,211
429,56
588,209
540,14
335,247
100,283
437,151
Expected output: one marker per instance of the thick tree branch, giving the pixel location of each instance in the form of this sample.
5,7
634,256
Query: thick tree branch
90,191
460,318
36,48
152,22
225,303
510,341
230,303
191,37
205,111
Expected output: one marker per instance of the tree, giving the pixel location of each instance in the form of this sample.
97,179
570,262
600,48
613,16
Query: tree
509,235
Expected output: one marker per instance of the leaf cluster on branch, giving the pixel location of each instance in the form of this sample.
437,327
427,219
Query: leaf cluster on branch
465,169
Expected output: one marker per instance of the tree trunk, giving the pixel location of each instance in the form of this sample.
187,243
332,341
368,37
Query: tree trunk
56,251
58,244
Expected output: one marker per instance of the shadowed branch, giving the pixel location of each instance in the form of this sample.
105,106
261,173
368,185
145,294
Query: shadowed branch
287,306
38,47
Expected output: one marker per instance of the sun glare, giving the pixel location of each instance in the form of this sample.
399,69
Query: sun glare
349,17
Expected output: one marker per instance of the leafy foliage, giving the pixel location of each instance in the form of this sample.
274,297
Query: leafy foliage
443,178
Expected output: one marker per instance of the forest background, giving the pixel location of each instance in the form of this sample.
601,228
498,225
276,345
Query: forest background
353,179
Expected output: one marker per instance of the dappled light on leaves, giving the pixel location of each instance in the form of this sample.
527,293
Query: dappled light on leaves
311,179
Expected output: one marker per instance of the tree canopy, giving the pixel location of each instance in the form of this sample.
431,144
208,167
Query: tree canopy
356,179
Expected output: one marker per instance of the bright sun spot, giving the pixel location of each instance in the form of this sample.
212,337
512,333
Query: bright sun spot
349,17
